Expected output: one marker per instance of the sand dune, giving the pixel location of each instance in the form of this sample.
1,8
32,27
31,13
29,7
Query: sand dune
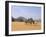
20,26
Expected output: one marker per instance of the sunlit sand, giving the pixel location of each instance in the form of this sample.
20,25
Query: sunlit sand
21,26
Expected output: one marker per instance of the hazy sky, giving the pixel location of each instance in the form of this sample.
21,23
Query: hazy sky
26,11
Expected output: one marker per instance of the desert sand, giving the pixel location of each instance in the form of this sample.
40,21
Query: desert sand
21,26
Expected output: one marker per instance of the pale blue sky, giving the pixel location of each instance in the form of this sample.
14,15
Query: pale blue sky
26,11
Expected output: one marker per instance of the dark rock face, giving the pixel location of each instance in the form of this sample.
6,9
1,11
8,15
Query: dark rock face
13,19
20,19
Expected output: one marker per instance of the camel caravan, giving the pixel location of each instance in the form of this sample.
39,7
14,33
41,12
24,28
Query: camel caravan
31,21
22,19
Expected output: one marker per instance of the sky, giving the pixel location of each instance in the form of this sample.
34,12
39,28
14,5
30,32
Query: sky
26,11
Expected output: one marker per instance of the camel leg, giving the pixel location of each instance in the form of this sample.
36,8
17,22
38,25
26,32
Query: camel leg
33,22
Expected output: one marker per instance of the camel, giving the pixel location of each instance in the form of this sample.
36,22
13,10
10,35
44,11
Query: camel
30,21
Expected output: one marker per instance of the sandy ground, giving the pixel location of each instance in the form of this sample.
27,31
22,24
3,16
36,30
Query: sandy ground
20,26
